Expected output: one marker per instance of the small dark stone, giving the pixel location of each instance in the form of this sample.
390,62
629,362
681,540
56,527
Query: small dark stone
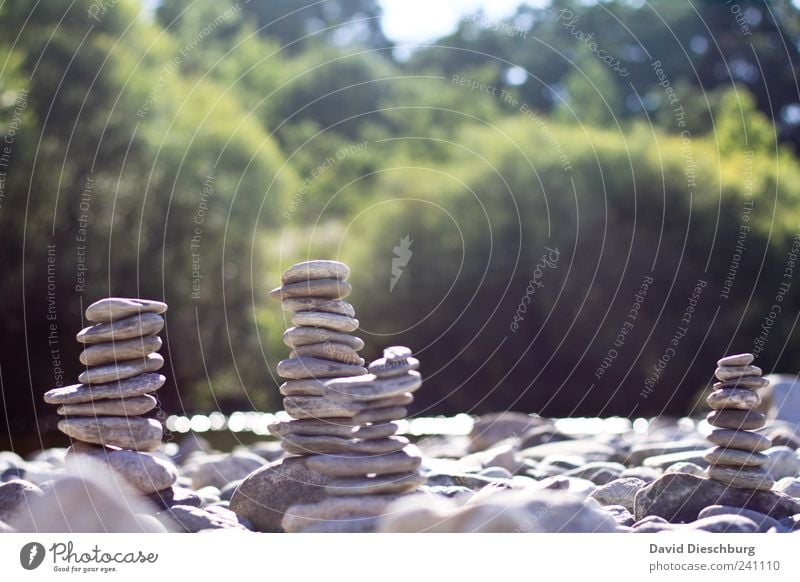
727,523
175,496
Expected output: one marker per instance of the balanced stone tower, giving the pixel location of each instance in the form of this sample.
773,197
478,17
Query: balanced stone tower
737,460
342,417
104,413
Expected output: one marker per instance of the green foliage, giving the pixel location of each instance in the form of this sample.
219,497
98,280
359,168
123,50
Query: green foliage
740,126
219,142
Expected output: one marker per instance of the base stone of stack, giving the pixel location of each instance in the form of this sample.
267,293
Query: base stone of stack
266,494
144,472
137,433
679,497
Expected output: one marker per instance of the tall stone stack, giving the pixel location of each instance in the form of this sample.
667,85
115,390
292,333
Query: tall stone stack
321,342
737,460
342,417
104,412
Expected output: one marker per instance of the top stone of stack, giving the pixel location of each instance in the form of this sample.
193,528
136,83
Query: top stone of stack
114,308
318,279
319,269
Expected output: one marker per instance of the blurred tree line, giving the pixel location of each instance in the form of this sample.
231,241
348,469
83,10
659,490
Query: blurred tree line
190,150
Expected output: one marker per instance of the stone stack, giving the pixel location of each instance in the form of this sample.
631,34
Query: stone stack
342,417
737,460
104,412
371,469
321,342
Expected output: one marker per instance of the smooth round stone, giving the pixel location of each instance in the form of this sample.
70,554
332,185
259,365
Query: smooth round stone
305,407
324,445
405,461
318,304
381,414
302,336
338,427
736,360
137,433
724,456
113,308
732,372
304,387
368,387
737,419
325,288
307,367
739,398
383,368
751,382
379,485
332,321
317,269
122,329
397,353
320,407
329,351
744,477
146,473
129,388
302,517
121,370
740,439
120,351
118,407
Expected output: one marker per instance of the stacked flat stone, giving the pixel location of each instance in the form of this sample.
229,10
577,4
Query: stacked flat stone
104,412
371,469
736,460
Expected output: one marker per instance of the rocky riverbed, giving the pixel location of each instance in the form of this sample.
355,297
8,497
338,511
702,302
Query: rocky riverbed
511,473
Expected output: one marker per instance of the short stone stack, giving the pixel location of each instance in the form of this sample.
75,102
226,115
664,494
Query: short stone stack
104,413
737,460
370,470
